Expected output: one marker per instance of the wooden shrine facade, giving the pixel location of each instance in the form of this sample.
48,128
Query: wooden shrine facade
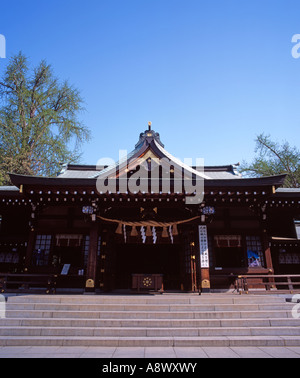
110,240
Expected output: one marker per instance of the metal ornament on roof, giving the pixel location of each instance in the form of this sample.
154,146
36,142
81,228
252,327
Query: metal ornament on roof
87,209
208,210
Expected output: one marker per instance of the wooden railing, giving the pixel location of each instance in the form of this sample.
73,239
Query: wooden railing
24,282
280,282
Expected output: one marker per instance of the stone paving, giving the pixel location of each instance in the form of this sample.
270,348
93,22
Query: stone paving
148,352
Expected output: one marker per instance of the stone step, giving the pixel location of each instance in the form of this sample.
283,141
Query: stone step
148,314
148,299
146,307
150,323
200,341
149,320
148,332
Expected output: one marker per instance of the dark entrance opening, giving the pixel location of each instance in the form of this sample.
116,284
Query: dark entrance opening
69,255
148,259
229,257
73,256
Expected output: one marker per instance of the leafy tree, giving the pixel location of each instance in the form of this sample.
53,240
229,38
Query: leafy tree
39,129
273,159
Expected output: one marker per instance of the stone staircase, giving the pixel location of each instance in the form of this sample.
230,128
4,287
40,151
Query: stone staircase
149,320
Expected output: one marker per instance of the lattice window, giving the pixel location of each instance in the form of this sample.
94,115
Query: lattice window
288,257
254,252
228,241
41,250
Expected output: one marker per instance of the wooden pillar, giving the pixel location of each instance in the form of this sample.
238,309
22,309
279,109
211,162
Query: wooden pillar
205,280
92,259
29,249
265,239
268,257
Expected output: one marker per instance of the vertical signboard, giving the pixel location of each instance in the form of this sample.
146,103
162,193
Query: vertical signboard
203,245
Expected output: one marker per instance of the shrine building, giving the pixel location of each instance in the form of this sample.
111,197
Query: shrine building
149,222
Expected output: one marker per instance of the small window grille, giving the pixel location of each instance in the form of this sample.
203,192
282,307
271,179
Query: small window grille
42,250
254,252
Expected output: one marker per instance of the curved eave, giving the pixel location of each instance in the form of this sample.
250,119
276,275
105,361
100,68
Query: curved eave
287,193
19,180
270,181
9,191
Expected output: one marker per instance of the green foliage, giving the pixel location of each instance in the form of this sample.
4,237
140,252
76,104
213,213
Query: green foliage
39,129
274,159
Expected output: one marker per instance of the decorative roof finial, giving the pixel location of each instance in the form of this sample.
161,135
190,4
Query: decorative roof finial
149,126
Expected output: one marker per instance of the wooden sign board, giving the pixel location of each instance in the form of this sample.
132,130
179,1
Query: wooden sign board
203,244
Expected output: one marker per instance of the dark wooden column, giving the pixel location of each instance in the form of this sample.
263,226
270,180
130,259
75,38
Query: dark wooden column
92,259
268,256
29,249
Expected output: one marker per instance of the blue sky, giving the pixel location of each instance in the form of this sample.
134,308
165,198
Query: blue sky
209,74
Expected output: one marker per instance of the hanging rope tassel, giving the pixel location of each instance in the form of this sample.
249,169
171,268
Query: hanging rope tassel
134,231
148,231
164,233
119,229
175,229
